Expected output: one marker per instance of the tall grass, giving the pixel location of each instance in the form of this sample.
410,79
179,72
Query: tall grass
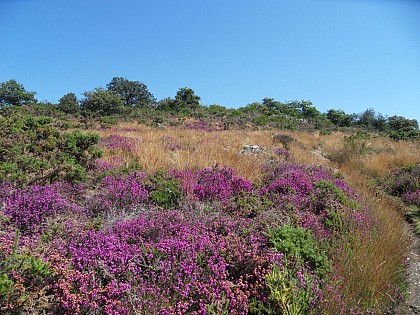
371,263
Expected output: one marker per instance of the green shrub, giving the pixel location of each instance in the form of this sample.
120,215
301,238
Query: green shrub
299,243
164,190
34,149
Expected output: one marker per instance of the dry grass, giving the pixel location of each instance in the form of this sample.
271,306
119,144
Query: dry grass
199,149
370,266
196,148
371,262
382,154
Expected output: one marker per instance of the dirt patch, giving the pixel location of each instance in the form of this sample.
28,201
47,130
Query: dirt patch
411,306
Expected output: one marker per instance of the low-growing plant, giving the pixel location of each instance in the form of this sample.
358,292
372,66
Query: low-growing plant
299,244
164,190
34,150
403,180
294,290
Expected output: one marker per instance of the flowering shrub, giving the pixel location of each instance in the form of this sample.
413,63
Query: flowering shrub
412,197
178,242
403,180
313,196
219,183
282,152
189,263
28,208
119,193
199,125
114,142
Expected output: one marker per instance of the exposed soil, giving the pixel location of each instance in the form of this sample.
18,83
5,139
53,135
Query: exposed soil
412,303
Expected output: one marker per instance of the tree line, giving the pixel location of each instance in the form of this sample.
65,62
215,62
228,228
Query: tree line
124,98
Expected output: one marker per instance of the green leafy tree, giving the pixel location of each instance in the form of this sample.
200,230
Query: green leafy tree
133,93
13,93
217,110
367,119
69,104
187,99
401,128
169,104
339,118
102,102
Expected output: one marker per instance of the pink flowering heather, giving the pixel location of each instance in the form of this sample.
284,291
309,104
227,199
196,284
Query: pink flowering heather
179,261
412,197
199,125
114,142
170,143
282,152
174,264
29,207
219,183
119,193
313,195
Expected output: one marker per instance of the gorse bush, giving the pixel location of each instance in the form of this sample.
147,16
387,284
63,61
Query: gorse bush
33,150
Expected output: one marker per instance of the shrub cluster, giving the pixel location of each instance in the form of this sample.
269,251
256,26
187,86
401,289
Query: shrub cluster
34,150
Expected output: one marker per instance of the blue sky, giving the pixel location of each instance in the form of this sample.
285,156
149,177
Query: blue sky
347,54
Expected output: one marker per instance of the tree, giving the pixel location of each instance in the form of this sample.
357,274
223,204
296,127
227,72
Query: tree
187,98
69,104
133,93
168,104
367,118
102,102
339,118
13,93
401,128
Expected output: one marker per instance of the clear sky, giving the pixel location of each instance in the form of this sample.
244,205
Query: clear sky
342,54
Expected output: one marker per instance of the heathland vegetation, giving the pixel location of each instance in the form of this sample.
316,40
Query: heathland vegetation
117,203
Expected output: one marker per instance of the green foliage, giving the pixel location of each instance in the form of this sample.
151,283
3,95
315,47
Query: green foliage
293,289
133,93
401,128
187,99
13,93
288,291
34,276
327,189
219,307
339,118
33,149
164,190
250,205
353,146
5,284
103,103
299,243
69,104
